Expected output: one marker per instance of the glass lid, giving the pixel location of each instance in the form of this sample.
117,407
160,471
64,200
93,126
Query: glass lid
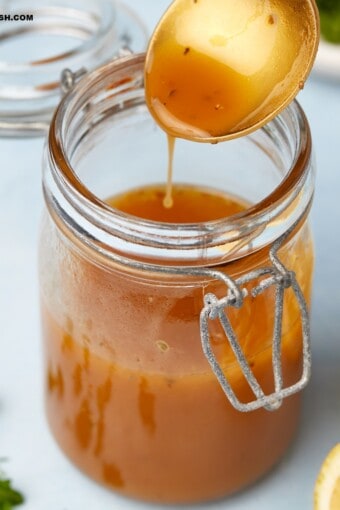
40,39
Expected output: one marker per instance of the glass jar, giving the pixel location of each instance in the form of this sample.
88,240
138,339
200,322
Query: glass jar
53,36
148,326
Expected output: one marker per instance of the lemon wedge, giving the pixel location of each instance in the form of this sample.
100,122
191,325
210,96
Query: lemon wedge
327,486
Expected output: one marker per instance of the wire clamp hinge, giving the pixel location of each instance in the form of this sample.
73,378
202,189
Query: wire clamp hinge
69,79
214,308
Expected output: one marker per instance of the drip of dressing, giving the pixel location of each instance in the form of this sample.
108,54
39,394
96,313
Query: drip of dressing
219,69
168,200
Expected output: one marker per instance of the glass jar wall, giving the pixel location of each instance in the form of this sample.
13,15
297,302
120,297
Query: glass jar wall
33,54
130,396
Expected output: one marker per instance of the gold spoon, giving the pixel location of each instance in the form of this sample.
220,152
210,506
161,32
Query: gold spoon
219,69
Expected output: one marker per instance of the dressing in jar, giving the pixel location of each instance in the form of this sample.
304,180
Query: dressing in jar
160,327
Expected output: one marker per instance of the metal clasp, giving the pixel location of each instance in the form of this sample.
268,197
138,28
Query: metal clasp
69,78
215,308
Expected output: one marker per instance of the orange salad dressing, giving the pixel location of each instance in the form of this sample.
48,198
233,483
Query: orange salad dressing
130,395
217,69
190,204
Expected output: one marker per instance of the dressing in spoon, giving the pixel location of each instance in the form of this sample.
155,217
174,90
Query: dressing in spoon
219,69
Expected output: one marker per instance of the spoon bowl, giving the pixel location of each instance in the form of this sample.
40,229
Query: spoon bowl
220,69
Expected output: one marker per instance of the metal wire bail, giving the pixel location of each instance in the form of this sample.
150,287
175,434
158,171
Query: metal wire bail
215,308
68,78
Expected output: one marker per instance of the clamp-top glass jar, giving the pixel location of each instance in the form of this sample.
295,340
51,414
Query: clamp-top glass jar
159,335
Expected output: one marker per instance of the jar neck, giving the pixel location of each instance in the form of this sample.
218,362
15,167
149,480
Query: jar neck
81,34
119,237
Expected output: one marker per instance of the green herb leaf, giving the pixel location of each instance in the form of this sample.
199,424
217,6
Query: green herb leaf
330,19
330,26
328,5
9,497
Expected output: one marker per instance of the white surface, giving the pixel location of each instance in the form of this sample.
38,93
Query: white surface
328,60
35,463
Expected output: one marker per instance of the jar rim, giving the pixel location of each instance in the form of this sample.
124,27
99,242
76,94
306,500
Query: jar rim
102,28
255,219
